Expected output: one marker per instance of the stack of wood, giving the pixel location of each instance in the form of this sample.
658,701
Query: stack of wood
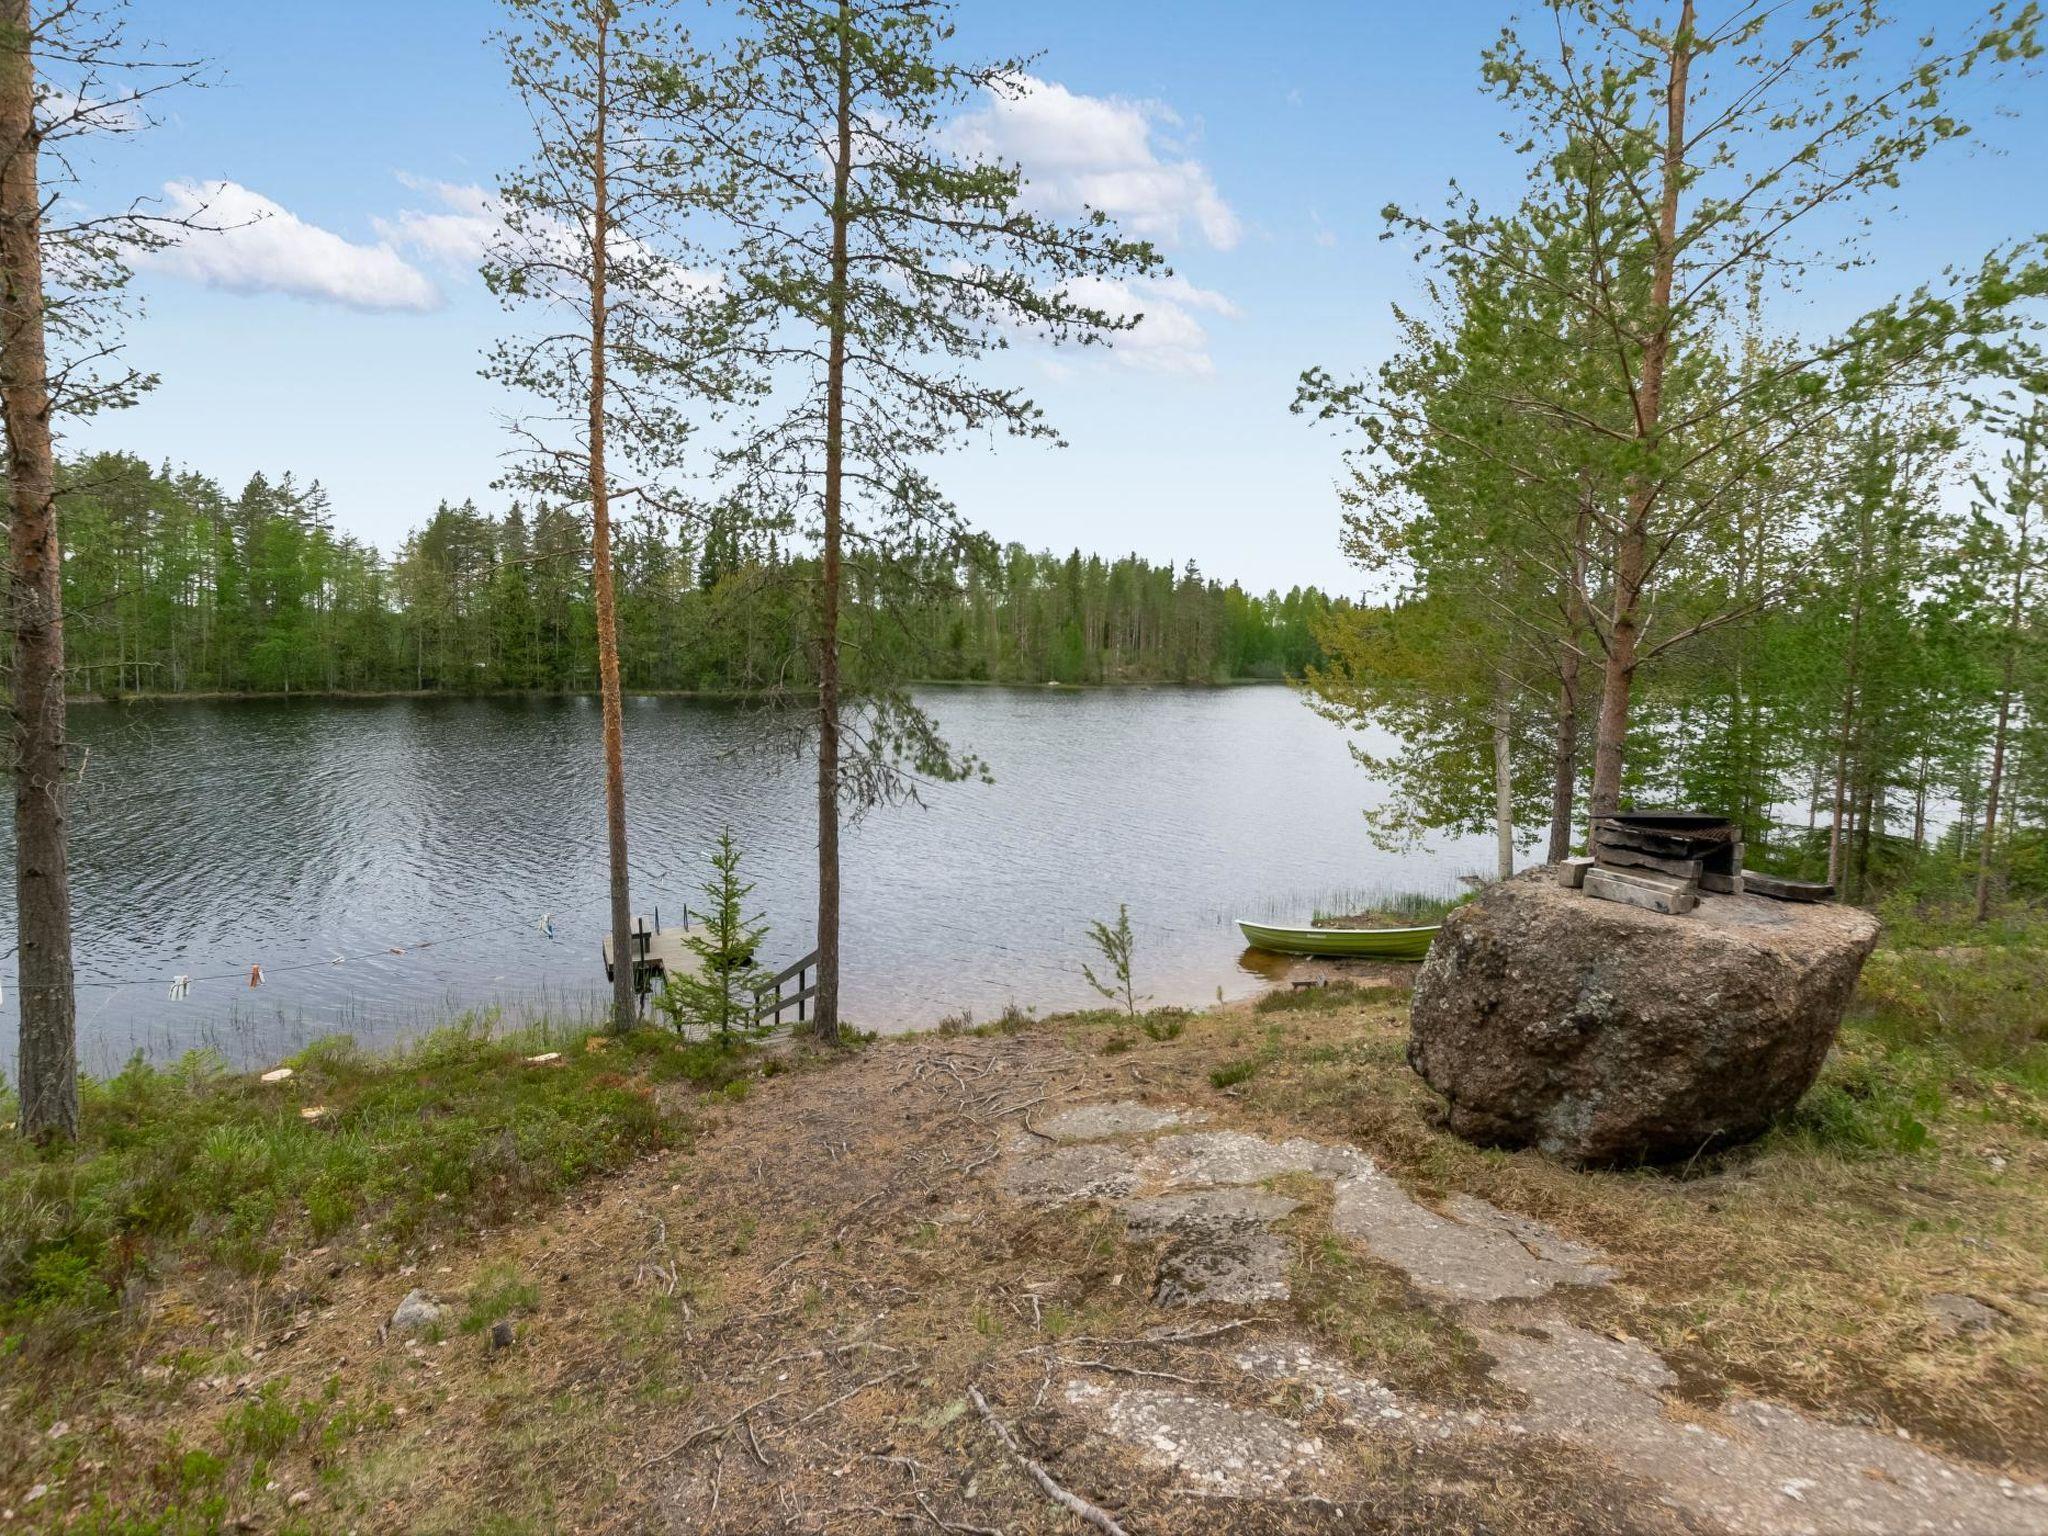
1663,860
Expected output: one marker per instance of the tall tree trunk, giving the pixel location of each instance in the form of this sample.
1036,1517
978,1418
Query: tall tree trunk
35,614
1866,821
1503,780
623,995
1631,555
826,1024
1991,793
2015,618
1565,772
1851,703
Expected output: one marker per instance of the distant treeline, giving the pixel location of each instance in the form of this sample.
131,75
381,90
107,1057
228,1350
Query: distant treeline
173,586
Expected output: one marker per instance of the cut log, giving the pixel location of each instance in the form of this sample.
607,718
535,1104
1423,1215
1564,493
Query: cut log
1688,870
1700,824
1780,889
1653,893
1722,885
1668,845
1571,873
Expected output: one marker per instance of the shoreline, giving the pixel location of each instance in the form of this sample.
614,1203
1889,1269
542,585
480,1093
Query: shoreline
709,695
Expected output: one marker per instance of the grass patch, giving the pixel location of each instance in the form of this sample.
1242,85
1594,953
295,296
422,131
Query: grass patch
1163,1024
1363,1309
501,1291
1328,999
1395,909
193,1163
1231,1073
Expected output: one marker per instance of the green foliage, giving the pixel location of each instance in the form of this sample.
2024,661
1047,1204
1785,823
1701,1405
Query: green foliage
195,590
1115,945
269,1422
194,1163
1942,1039
1605,455
719,997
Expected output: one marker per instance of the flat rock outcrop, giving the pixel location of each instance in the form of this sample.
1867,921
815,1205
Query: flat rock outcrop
1603,1033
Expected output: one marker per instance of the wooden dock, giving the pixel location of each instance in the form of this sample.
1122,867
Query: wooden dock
658,953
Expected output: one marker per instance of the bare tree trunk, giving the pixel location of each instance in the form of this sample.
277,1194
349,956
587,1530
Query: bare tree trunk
1631,555
826,1025
623,994
1503,781
2015,619
1564,776
42,879
1851,688
1618,680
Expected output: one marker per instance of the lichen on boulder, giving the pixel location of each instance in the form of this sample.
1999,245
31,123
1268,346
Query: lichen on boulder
1603,1033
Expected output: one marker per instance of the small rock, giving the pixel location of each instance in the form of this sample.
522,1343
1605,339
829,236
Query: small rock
501,1334
417,1313
277,1075
544,1059
36,1493
1954,1314
300,1499
313,1112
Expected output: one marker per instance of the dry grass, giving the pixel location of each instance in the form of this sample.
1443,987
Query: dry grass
776,1328
1800,1266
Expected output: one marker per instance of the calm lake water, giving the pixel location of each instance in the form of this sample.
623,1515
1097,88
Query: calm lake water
389,863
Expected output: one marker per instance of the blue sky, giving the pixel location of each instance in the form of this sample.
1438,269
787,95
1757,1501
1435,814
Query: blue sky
1261,142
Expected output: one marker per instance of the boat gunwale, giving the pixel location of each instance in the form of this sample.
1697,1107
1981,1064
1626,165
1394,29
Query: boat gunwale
1246,922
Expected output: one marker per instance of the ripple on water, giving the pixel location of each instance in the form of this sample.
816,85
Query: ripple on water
210,837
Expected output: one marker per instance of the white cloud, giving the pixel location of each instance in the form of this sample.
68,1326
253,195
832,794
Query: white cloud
251,244
1324,236
1099,152
1170,338
459,233
468,226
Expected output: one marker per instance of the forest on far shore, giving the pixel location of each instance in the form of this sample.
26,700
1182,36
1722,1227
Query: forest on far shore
174,586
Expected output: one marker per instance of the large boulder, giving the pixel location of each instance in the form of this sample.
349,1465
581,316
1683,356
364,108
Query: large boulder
1604,1033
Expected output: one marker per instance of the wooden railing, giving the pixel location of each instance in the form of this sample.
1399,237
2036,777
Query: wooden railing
770,1007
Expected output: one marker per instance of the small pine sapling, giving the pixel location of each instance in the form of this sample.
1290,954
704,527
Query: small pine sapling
719,996
1115,945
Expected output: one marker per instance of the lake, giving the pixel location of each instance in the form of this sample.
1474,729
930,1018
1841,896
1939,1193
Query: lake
389,863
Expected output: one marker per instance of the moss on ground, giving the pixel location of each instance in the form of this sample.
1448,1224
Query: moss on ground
194,1165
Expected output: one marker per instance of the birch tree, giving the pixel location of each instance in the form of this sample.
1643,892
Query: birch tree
625,339
884,268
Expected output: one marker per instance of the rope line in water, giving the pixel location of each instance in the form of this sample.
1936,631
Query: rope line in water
179,985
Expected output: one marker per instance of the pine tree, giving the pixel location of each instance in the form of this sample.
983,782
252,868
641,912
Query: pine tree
594,240
719,996
882,267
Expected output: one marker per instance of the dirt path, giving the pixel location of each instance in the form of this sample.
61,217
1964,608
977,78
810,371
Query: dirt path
1004,1284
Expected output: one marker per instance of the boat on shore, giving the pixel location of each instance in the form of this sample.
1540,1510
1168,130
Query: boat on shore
1339,943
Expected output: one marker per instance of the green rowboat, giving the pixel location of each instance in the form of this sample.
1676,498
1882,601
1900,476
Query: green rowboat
1355,943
